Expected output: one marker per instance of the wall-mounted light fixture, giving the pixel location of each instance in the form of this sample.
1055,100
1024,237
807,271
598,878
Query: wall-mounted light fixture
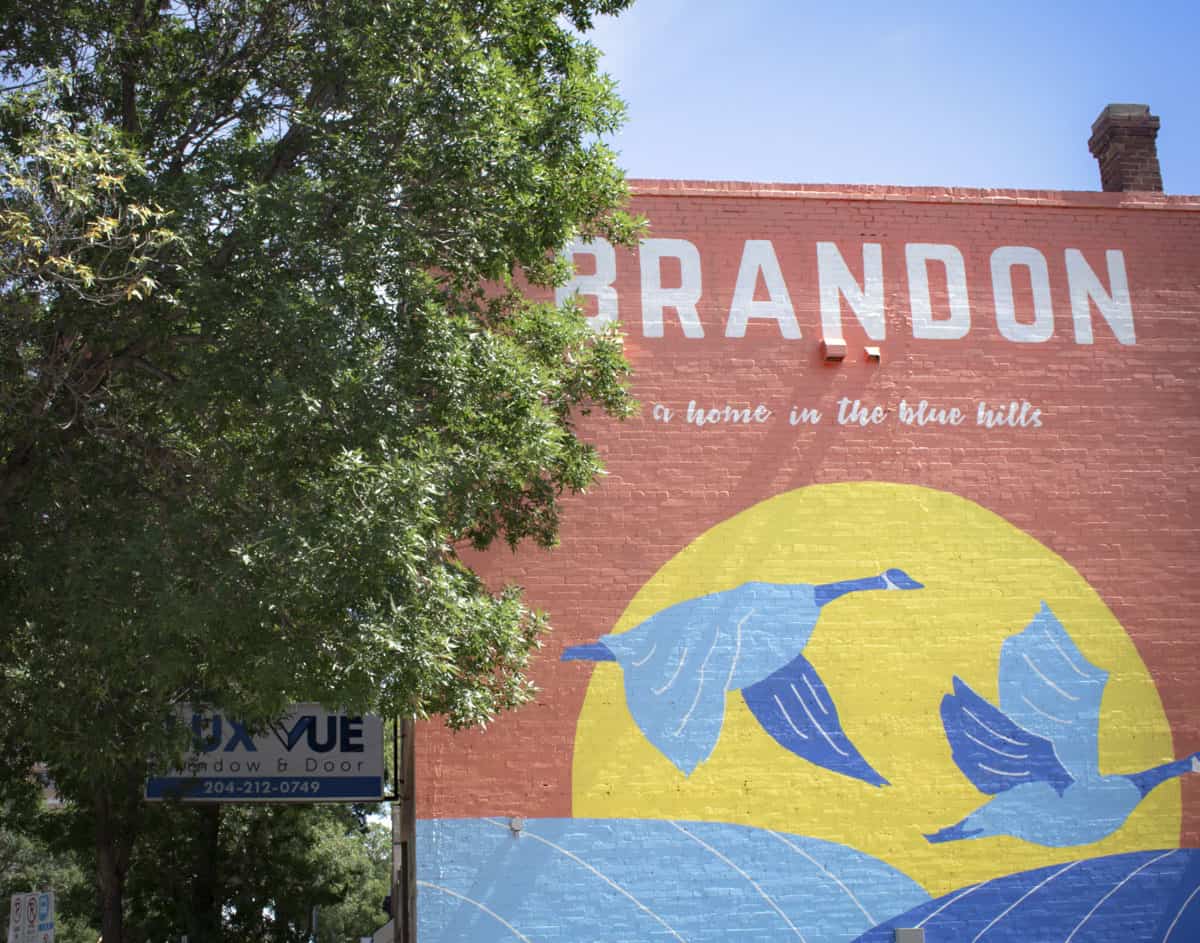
833,348
516,823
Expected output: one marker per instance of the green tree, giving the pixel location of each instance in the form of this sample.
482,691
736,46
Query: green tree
243,874
41,851
255,873
264,370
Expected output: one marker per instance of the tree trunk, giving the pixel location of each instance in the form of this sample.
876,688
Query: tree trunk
110,869
205,926
117,804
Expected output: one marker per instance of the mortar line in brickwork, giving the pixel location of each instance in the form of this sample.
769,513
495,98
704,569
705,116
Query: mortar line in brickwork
1061,199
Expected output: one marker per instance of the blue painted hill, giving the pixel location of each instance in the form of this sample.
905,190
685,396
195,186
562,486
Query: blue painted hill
638,880
1142,897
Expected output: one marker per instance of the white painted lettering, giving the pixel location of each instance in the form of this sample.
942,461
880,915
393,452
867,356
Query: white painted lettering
1114,305
599,285
758,256
923,414
735,415
804,415
917,256
655,297
836,281
1013,414
851,412
1004,260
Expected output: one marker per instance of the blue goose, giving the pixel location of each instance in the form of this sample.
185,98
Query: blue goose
1037,754
679,663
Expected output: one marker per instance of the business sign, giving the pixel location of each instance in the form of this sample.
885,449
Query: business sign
31,918
310,755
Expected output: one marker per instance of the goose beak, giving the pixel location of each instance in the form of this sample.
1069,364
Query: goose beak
898,579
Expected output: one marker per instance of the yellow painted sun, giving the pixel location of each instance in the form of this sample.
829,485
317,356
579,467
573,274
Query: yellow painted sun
887,660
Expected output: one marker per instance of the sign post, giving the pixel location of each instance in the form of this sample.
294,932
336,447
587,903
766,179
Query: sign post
15,913
404,839
310,755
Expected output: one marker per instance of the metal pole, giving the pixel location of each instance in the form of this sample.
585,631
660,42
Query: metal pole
404,840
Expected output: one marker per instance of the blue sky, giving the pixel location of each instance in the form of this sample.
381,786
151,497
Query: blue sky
926,94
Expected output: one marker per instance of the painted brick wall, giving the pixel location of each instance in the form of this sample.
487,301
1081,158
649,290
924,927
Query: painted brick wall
1084,499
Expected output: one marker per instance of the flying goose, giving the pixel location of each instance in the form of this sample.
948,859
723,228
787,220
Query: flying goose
1037,754
679,663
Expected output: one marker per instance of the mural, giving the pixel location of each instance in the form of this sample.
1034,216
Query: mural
571,880
700,703
895,568
678,664
1037,753
1144,897
574,880
996,617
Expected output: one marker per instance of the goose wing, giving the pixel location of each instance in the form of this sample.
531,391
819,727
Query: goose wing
993,751
1049,688
794,706
676,665
679,663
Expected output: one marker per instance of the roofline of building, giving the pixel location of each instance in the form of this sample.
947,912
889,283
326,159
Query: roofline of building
1065,199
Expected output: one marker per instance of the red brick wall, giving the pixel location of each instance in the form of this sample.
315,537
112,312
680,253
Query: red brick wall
1108,480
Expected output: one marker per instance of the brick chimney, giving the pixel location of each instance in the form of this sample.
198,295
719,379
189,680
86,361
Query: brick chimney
1123,144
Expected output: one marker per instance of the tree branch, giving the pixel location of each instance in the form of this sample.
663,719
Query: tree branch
288,150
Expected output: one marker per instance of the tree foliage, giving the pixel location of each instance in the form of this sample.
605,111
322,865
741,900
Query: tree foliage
244,875
67,226
41,850
256,873
263,367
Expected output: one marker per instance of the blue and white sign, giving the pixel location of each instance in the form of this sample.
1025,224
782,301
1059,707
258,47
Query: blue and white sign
31,918
310,755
